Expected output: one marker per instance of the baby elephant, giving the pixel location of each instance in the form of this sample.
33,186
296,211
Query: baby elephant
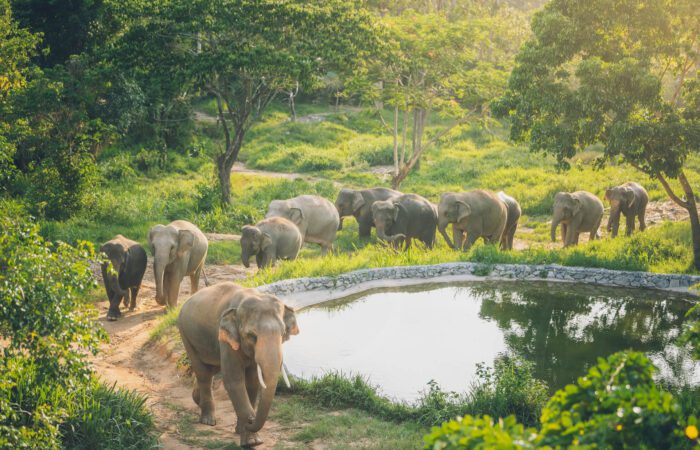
128,260
315,216
270,239
408,217
631,200
512,218
577,212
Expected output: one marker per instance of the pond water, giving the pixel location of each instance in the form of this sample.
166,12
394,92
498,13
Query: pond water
402,340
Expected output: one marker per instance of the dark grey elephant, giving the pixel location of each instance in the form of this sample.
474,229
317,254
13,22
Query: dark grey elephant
513,216
359,204
631,200
238,332
269,240
479,214
179,249
408,217
577,212
128,260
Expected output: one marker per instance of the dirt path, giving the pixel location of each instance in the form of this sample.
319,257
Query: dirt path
130,361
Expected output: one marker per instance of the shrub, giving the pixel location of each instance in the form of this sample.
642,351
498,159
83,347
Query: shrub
480,432
148,160
118,168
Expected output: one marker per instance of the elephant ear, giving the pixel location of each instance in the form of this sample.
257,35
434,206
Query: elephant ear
358,201
397,208
608,194
463,211
228,330
629,196
296,216
265,241
154,230
185,241
290,323
576,207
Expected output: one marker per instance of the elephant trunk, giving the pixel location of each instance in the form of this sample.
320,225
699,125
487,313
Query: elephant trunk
268,357
555,224
159,263
245,257
442,227
614,221
381,233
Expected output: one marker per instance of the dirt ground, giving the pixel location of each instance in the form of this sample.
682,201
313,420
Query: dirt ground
151,368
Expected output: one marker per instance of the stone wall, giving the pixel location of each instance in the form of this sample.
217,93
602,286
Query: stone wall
302,289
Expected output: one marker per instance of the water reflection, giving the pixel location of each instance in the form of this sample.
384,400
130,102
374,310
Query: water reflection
401,340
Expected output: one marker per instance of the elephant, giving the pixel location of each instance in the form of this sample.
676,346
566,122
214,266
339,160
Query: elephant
359,204
239,332
128,260
478,213
408,217
270,239
316,217
512,218
577,212
631,200
179,249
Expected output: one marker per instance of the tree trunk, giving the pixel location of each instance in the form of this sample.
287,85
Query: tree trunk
224,164
690,204
396,140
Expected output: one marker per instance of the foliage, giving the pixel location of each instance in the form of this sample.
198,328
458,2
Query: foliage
691,335
628,85
616,405
71,412
42,313
501,391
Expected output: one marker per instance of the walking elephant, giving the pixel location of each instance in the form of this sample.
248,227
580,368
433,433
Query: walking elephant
239,332
269,240
408,217
315,216
577,212
631,200
479,214
128,260
512,218
359,204
179,249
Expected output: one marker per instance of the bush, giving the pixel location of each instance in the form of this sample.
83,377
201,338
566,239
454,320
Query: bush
480,432
118,168
148,160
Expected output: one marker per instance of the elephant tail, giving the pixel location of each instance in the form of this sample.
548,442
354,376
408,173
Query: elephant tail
206,280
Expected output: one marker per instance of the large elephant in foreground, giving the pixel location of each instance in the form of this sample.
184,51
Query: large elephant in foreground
359,204
577,212
477,213
128,260
315,216
631,200
179,249
239,332
269,240
513,216
408,217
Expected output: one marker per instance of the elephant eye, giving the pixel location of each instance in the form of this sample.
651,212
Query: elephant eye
252,337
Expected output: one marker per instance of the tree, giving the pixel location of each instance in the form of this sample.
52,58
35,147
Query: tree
620,73
246,52
436,66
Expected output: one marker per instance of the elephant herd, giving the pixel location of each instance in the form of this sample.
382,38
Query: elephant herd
239,331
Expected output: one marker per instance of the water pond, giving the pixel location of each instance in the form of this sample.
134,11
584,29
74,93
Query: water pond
403,339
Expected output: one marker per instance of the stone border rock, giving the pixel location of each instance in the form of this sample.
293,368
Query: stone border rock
302,292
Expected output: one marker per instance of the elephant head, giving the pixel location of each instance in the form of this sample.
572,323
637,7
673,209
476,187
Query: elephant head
253,241
620,198
169,246
451,210
566,207
349,202
282,208
258,327
384,215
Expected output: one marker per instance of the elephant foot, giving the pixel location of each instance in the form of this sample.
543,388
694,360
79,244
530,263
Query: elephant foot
111,318
207,419
249,439
161,302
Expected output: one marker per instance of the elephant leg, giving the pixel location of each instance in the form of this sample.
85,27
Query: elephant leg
235,383
173,289
564,229
511,236
194,280
642,221
201,393
259,260
571,235
134,293
630,224
594,232
365,229
407,243
457,237
126,297
326,247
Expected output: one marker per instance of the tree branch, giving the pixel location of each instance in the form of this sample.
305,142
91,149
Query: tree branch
669,191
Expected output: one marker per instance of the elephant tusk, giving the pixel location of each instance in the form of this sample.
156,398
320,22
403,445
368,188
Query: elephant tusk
285,377
260,378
